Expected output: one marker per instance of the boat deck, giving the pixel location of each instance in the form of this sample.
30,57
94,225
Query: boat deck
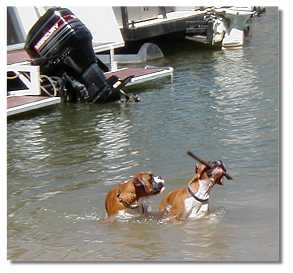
21,104
173,23
17,56
141,74
170,17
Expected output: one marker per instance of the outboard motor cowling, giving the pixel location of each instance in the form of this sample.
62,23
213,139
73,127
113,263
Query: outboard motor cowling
60,43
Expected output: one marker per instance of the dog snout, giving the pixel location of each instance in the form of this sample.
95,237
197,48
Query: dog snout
218,174
159,184
159,179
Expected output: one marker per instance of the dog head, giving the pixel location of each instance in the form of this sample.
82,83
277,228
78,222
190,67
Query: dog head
215,172
147,184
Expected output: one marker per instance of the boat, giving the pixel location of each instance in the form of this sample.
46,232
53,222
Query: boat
55,41
236,22
222,27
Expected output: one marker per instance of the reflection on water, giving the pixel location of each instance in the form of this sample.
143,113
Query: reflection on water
114,144
222,105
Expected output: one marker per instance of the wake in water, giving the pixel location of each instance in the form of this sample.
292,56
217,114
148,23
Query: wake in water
214,216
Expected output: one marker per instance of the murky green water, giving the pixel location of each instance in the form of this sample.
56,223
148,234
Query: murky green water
222,105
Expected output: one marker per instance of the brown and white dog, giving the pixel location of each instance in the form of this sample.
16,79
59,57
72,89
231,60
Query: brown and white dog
123,200
192,202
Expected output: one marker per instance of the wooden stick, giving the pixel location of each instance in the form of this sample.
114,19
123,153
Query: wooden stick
229,177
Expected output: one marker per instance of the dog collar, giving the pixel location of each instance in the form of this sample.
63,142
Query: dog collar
203,201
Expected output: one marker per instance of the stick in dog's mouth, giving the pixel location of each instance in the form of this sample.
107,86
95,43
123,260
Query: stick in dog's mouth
204,162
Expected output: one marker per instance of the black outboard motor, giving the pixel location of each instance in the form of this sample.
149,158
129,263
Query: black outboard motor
62,45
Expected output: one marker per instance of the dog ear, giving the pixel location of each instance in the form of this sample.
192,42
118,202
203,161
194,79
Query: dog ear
138,182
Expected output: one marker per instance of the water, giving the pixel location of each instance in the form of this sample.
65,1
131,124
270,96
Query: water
222,105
